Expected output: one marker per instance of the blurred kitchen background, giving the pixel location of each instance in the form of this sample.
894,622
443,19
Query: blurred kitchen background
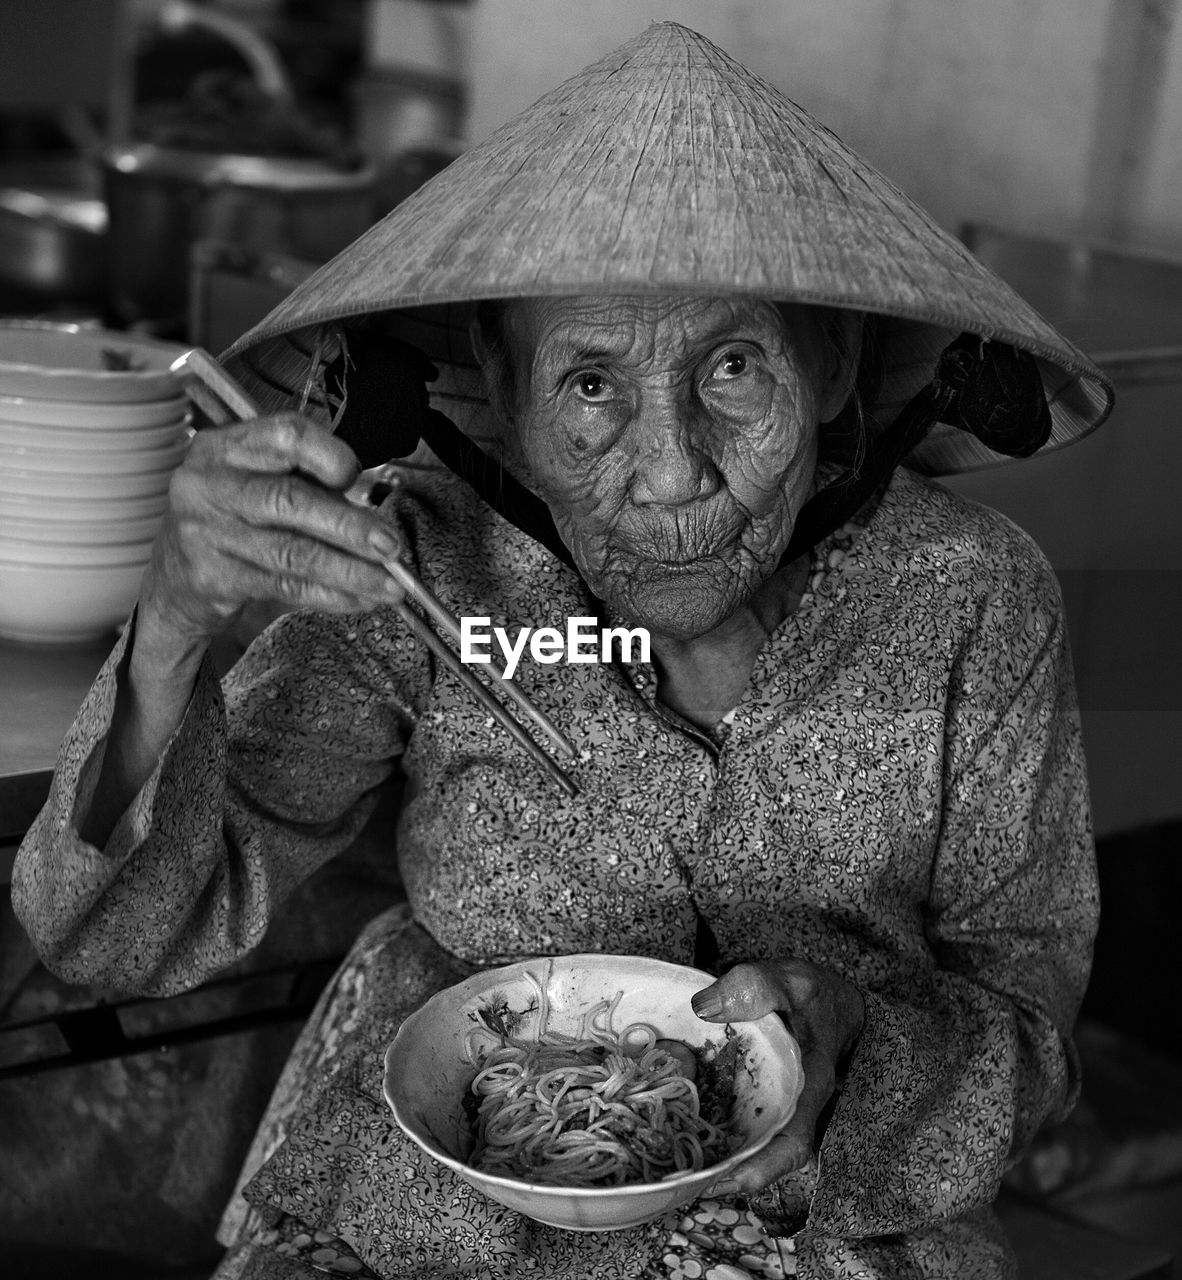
175,168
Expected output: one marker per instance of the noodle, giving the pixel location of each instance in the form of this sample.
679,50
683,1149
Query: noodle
594,1110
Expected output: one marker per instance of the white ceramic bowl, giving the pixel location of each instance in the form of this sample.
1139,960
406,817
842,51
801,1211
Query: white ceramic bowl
47,528
47,439
65,362
69,488
93,479
47,605
72,554
428,1072
160,456
85,510
78,416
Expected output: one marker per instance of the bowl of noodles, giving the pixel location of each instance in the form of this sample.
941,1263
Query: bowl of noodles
584,1092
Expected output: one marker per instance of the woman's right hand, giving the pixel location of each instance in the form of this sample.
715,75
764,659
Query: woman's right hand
257,512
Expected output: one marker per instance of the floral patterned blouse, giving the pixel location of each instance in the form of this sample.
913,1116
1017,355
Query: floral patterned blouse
900,795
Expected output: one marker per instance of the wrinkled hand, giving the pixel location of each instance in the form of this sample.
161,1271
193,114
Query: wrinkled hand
256,512
824,1012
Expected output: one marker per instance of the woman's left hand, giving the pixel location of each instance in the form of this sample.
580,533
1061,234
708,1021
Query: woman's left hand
825,1014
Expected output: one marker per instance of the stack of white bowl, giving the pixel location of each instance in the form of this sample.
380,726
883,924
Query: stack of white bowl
92,425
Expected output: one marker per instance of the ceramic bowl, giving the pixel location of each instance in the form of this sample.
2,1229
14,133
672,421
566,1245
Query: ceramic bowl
47,528
430,1066
75,415
95,478
84,509
70,488
163,455
66,362
50,439
71,554
45,604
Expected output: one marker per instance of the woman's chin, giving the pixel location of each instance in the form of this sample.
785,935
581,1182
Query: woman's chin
681,602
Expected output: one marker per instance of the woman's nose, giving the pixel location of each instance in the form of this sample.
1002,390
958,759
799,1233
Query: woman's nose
672,465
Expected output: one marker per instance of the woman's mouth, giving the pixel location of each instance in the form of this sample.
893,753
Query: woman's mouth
668,547
681,565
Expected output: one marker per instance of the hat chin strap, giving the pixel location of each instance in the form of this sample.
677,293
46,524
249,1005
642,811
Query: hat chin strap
502,491
990,389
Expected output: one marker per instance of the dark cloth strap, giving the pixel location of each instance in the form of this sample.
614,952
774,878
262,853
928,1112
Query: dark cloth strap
507,496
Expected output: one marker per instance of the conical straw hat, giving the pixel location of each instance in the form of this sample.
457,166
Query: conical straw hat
667,167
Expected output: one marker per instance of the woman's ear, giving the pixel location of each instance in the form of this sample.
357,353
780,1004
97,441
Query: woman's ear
842,336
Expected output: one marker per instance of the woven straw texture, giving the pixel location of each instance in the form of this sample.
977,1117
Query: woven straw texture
668,167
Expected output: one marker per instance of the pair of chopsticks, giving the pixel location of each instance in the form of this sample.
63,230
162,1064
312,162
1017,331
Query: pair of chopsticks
222,400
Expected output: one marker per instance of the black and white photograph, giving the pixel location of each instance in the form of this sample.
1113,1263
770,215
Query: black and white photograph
590,639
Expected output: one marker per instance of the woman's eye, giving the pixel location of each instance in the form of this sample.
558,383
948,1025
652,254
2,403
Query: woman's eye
591,385
732,365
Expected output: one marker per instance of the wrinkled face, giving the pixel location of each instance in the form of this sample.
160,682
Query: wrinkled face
673,439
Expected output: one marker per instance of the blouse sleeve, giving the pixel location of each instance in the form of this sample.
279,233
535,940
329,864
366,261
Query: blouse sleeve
267,777
948,1083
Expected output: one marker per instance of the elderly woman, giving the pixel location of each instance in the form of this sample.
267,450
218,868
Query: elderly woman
848,780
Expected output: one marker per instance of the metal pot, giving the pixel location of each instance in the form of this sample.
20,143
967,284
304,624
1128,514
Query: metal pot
162,200
53,233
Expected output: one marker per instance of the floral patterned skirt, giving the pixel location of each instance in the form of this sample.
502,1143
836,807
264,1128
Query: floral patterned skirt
332,1185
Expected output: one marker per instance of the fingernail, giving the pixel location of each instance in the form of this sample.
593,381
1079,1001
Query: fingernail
385,544
723,1187
706,1003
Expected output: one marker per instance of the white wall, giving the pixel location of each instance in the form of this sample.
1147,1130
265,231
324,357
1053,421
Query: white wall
1155,218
